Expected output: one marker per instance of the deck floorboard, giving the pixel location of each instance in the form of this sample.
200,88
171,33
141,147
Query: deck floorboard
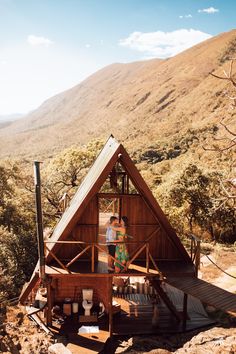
206,292
135,318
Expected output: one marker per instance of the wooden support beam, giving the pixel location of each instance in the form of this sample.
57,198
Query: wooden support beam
147,257
58,260
115,195
49,303
185,313
110,309
69,242
136,254
137,249
93,259
152,234
154,263
127,184
78,256
157,285
198,255
114,259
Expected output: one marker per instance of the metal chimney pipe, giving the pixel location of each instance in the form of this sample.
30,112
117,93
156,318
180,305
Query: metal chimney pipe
39,219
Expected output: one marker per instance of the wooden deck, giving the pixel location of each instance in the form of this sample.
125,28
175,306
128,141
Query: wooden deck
137,312
89,343
173,268
135,318
206,292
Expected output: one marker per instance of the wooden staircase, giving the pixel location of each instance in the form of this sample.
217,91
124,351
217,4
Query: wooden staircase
156,283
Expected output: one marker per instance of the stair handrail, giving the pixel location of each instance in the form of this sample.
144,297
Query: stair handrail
195,251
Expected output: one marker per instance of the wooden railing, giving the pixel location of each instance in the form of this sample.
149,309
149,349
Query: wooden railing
195,251
91,247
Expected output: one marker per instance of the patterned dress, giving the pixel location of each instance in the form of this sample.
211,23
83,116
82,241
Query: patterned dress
121,254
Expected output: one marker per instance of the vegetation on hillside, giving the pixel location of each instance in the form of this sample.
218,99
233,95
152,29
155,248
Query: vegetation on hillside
175,169
189,202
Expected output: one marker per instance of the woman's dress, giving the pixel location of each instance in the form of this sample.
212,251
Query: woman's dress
121,254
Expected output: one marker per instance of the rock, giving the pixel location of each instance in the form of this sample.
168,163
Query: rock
58,348
216,340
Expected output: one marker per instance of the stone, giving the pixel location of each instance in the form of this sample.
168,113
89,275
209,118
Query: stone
58,348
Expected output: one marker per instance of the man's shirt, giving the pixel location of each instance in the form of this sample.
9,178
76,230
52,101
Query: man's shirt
110,234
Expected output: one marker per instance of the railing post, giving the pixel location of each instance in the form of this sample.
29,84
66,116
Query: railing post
185,311
198,253
93,249
147,257
191,248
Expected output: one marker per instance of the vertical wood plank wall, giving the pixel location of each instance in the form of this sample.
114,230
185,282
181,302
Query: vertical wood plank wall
142,224
71,287
85,230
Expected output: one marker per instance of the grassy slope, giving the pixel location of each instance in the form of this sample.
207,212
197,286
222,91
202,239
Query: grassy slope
140,103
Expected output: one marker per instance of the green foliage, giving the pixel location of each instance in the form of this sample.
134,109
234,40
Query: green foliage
191,206
18,249
229,52
62,175
188,201
18,256
172,148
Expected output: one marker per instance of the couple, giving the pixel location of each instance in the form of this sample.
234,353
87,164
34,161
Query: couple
115,238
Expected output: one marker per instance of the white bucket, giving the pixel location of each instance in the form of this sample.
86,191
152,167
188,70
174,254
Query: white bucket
75,307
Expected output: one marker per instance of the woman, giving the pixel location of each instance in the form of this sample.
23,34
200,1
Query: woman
121,253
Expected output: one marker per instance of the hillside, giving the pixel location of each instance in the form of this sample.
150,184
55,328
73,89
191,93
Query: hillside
141,103
6,120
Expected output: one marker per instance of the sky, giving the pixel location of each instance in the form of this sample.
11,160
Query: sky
49,46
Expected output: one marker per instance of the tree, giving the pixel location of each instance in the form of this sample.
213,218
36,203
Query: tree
191,204
62,176
228,140
18,246
191,193
18,255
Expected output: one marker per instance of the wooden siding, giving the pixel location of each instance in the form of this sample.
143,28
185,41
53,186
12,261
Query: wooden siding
90,214
71,287
146,193
143,223
85,230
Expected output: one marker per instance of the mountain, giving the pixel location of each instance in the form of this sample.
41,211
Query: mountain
7,119
140,103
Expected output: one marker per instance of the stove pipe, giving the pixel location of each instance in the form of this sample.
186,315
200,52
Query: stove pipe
39,220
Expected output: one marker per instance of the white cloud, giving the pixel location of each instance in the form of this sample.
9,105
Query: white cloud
186,16
87,45
37,41
163,44
209,10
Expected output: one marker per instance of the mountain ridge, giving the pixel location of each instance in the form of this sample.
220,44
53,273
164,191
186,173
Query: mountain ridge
140,103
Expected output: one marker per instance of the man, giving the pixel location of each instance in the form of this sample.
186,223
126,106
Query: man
110,237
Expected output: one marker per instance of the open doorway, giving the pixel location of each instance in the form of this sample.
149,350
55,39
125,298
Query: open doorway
107,207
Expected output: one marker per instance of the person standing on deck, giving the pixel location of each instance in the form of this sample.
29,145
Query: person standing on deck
110,238
121,252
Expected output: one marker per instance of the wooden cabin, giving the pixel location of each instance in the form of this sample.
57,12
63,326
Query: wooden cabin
76,255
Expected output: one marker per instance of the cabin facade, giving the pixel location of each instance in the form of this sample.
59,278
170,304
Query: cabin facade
76,253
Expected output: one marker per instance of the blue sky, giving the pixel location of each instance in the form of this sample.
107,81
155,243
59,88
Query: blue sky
48,46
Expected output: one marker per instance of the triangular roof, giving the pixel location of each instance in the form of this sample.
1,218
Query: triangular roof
112,152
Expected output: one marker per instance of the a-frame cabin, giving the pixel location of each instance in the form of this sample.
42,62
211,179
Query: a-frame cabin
76,252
